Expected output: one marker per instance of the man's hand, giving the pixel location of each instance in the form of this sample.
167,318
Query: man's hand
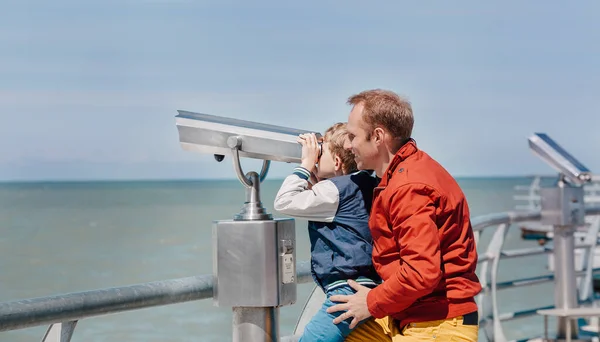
310,151
355,305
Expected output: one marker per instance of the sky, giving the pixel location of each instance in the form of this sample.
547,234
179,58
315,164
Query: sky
89,89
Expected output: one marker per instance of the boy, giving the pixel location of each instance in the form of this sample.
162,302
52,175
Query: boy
337,208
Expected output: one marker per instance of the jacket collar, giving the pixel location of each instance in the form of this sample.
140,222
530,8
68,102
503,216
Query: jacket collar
408,149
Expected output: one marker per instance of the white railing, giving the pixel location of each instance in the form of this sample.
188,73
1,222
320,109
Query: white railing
492,318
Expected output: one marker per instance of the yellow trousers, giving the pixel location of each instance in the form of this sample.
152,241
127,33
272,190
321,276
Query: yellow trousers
386,330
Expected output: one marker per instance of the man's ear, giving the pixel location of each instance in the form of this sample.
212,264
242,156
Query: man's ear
378,135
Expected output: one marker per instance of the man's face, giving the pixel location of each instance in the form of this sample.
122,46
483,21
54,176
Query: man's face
364,149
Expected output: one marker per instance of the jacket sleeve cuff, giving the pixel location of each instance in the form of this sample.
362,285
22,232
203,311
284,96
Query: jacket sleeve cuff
372,304
302,172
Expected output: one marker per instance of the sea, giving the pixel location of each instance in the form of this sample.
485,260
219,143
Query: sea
62,237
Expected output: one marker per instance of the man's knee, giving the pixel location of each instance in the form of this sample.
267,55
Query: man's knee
372,329
450,330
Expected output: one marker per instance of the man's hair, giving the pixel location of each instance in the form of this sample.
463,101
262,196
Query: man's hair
336,136
386,109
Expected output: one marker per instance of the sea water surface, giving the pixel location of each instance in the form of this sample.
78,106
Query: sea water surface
60,237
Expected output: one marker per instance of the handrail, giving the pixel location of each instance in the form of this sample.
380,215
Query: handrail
74,306
481,222
60,308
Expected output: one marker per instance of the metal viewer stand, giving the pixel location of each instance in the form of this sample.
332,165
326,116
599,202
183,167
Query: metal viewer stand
254,255
562,206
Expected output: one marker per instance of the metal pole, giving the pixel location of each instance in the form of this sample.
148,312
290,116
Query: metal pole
255,324
565,291
76,306
563,208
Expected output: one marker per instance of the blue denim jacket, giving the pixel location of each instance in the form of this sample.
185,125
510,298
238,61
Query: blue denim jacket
337,210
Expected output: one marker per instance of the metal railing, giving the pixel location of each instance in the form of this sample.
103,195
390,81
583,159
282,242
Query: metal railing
75,306
63,311
491,317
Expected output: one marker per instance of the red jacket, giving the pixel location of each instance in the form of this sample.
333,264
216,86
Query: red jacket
424,247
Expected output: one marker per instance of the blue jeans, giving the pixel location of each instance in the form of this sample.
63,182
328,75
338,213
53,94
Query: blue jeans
321,327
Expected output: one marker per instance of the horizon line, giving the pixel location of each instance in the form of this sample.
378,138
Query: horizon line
118,180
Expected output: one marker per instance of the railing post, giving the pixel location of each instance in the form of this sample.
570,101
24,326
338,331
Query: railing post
254,260
60,332
563,208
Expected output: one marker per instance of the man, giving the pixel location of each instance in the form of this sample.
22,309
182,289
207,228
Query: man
424,247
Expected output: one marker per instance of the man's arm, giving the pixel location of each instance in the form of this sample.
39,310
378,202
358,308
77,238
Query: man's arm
294,198
412,214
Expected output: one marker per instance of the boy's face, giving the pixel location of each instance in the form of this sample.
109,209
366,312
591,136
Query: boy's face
326,165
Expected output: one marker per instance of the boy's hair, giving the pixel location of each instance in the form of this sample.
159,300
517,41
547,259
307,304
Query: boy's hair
336,136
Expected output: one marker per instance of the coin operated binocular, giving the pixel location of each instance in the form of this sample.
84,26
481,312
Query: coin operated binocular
562,204
254,255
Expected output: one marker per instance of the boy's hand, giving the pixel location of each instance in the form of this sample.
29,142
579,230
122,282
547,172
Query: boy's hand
310,151
314,178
